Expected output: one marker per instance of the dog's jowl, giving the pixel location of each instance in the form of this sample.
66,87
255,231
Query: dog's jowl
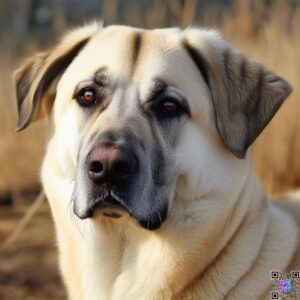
148,168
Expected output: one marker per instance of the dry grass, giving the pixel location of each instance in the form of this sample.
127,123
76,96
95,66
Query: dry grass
267,34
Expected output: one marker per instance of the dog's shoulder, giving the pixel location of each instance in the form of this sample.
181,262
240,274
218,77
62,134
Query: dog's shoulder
291,204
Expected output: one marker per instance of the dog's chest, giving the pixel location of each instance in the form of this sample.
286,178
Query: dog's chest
117,269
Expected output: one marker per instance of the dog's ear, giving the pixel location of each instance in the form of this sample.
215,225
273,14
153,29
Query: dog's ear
36,79
245,94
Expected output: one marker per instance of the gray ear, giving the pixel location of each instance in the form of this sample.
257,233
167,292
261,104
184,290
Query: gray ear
245,94
33,81
36,80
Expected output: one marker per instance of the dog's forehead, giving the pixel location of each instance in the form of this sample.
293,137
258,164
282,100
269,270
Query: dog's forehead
129,53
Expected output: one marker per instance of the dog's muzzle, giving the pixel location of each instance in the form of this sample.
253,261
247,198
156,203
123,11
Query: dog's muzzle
110,168
115,178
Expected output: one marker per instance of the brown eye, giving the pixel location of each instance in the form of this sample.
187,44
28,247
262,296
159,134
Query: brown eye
87,97
169,106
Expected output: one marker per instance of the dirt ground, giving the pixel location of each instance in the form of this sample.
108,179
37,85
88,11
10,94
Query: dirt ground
28,267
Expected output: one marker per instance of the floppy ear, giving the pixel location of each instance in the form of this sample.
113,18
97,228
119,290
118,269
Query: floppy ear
245,94
36,79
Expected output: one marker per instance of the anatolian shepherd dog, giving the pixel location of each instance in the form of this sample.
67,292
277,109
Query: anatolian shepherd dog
148,171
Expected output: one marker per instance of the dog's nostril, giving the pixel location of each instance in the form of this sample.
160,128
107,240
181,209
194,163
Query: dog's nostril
96,167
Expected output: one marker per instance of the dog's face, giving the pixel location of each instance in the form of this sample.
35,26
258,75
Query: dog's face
136,111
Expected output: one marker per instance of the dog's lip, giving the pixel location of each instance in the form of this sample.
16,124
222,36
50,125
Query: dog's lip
108,206
112,214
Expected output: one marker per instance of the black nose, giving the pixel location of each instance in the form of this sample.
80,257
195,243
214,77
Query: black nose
110,163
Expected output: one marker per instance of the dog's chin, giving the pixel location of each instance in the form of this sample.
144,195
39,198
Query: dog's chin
108,206
109,212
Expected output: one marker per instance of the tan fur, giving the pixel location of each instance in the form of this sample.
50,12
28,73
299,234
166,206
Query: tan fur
222,236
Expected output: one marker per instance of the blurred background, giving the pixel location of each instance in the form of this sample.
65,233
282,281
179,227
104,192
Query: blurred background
265,29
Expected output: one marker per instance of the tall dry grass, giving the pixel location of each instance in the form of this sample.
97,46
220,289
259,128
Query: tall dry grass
269,34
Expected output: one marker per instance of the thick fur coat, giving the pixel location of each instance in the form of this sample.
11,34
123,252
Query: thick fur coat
195,223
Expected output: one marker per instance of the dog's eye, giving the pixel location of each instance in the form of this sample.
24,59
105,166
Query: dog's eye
87,97
169,106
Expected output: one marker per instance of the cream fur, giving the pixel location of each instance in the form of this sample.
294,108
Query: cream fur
222,236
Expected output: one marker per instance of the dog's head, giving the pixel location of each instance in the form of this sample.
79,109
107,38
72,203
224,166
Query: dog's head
135,110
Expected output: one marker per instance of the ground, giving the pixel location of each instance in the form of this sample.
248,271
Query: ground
28,267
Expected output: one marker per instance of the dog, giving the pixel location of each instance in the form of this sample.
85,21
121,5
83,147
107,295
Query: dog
148,169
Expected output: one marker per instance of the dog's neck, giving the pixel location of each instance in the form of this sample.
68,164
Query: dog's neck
119,260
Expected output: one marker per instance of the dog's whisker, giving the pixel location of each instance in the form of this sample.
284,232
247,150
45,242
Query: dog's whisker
72,217
157,212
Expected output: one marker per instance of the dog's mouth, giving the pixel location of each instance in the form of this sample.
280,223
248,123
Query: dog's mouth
108,204
115,202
